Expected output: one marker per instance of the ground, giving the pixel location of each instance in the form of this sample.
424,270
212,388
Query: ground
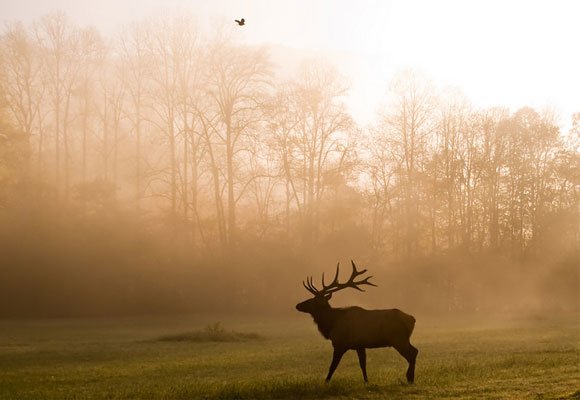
123,359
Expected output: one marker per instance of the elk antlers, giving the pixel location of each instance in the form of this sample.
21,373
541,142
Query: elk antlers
335,286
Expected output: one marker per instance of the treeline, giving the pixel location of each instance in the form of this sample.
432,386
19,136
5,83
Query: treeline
211,149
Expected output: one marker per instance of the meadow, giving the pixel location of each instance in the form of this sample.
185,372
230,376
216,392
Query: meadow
282,358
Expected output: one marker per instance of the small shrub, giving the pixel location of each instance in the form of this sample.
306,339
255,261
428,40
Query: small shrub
211,333
215,328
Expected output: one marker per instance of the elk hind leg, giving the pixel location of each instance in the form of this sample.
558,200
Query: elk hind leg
409,352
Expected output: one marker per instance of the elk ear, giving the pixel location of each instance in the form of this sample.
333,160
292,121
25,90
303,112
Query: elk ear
327,296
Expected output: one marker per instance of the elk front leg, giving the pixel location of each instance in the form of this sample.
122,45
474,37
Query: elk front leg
362,360
336,356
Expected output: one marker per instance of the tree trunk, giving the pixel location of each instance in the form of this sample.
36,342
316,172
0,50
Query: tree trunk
231,240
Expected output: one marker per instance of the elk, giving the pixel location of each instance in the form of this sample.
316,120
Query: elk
354,328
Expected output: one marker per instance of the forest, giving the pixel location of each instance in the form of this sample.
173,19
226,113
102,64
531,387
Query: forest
166,169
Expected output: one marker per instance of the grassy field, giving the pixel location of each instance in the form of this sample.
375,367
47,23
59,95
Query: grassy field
138,358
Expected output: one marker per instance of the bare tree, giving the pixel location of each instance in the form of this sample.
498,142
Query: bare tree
447,164
381,166
314,142
92,52
237,83
60,43
137,63
112,104
532,144
491,164
175,53
264,169
21,83
408,123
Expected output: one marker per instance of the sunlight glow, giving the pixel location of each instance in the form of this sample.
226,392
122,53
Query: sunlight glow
512,53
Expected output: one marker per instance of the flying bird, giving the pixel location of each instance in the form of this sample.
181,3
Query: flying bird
241,22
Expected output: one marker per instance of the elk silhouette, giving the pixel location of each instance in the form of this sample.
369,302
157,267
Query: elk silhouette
354,328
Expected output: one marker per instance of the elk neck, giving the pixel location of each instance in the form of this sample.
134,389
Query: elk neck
324,320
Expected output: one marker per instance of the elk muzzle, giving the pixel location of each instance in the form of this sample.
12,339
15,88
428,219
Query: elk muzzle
302,307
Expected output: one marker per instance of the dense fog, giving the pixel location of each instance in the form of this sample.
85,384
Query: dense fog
168,169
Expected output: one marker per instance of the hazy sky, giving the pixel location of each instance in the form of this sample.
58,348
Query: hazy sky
511,53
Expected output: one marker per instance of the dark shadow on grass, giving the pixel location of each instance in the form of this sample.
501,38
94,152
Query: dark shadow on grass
301,389
575,395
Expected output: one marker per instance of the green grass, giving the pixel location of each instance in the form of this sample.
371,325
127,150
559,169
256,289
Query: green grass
124,359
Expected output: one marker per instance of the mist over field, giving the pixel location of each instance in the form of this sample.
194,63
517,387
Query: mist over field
171,169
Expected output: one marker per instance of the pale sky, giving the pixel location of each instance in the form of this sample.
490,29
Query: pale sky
508,53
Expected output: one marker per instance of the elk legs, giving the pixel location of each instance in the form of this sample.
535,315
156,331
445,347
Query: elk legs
362,360
336,356
410,353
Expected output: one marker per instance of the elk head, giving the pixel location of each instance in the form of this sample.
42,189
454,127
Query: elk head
321,297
